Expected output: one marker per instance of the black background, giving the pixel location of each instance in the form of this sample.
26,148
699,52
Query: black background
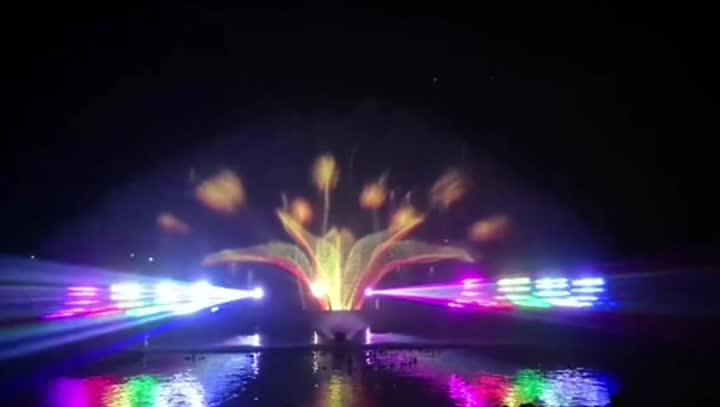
607,110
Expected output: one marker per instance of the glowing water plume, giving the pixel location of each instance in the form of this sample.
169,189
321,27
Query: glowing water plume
374,194
325,175
335,266
172,224
222,193
406,215
373,197
301,211
448,189
493,228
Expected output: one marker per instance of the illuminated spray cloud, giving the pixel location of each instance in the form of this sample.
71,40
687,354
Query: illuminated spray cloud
553,388
508,293
335,266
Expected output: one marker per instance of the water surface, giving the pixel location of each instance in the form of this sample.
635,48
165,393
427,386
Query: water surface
357,377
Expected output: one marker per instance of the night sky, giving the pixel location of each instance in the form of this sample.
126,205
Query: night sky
604,111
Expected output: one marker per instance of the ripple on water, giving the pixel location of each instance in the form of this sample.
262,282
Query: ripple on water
394,377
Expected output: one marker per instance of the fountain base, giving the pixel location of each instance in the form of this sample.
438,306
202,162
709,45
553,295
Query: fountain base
339,326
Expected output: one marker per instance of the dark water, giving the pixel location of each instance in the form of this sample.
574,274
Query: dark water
357,377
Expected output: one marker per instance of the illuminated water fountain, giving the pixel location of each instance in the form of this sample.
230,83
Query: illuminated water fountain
334,266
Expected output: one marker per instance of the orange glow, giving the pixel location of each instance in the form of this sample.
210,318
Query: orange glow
222,193
492,228
172,224
448,189
325,173
301,211
373,196
404,216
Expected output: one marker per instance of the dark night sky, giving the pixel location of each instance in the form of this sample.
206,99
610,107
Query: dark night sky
604,110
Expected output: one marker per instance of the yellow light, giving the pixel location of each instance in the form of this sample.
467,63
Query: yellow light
319,289
403,217
301,211
325,173
172,224
373,196
492,228
448,189
222,193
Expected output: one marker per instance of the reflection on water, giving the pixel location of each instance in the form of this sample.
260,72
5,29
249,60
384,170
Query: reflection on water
210,381
460,378
569,387
340,391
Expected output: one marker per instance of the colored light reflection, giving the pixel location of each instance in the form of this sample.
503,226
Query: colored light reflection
568,387
80,393
138,391
215,380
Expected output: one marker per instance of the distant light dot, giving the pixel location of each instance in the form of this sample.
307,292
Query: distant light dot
445,240
32,256
150,259
435,79
132,254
